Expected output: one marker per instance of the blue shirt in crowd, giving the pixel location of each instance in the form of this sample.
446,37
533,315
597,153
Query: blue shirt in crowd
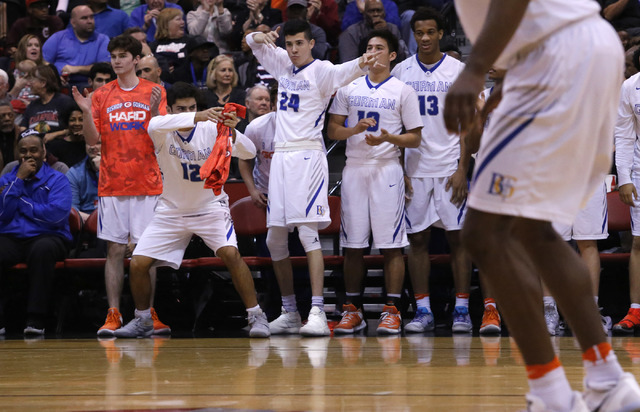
111,22
36,206
84,186
352,15
64,48
137,18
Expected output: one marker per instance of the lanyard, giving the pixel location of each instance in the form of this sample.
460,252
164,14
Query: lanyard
199,84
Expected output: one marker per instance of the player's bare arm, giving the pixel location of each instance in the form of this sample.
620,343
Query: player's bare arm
628,194
91,135
246,172
411,138
337,130
503,18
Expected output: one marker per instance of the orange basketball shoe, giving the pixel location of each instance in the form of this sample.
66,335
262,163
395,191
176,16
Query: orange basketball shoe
490,322
390,321
351,322
159,328
629,323
113,322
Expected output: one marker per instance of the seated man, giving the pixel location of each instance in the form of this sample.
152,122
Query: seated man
83,178
184,209
35,202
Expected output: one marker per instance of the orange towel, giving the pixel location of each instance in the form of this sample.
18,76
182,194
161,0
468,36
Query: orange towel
216,169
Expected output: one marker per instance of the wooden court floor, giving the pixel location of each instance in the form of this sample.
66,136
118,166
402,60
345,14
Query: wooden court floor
365,373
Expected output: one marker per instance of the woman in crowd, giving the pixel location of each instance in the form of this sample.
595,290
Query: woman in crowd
170,45
211,21
222,82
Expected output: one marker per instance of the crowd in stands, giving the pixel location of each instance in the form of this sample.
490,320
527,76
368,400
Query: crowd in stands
56,46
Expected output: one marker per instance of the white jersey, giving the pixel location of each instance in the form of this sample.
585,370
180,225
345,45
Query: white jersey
541,18
303,93
391,103
180,157
439,150
627,131
261,132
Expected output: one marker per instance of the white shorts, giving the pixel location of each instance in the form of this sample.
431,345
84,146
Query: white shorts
372,201
123,218
298,190
591,222
549,142
168,234
431,205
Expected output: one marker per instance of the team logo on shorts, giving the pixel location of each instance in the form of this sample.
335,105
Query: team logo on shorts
320,210
502,185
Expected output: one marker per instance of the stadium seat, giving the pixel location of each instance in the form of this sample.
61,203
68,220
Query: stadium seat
248,219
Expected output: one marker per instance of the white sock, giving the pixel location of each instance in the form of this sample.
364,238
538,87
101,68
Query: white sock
595,298
554,389
255,309
289,303
549,300
143,313
601,371
424,303
317,301
462,302
635,306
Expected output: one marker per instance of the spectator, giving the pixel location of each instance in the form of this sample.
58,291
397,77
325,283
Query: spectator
211,21
194,70
139,34
355,13
109,21
21,89
255,13
631,61
297,10
38,234
75,49
145,16
29,48
221,83
38,23
83,178
258,102
149,69
250,71
8,133
99,75
324,14
68,148
49,113
623,15
170,45
353,40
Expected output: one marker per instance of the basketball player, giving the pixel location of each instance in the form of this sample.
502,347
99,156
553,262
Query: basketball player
546,150
628,165
183,140
434,177
298,195
118,114
376,108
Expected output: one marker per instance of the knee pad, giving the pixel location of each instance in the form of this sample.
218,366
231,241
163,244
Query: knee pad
278,243
308,233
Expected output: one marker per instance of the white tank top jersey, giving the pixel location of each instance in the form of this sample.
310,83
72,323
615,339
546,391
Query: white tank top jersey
180,156
541,18
303,93
627,131
439,150
261,132
391,103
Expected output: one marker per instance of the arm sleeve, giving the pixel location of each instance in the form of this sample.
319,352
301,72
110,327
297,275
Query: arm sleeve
159,126
273,59
625,137
340,105
196,22
49,49
225,26
334,77
410,109
103,53
243,148
75,188
57,206
10,197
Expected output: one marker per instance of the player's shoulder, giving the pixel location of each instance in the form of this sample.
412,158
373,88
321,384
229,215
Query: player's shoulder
405,65
261,122
146,86
632,82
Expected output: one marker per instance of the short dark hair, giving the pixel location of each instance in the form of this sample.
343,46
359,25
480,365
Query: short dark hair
127,43
182,90
103,68
427,13
293,27
386,35
134,29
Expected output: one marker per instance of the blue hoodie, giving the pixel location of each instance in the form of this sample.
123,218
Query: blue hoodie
36,206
